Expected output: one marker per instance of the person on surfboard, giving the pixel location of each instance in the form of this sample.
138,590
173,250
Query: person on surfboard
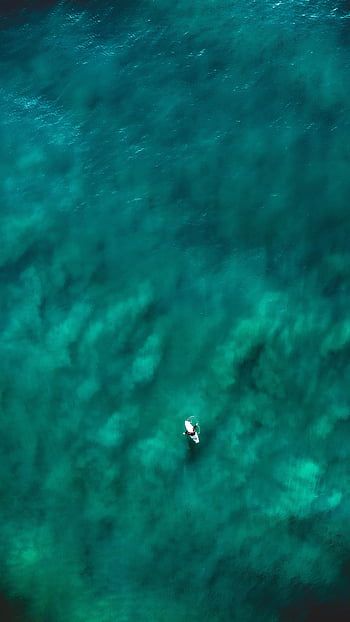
191,430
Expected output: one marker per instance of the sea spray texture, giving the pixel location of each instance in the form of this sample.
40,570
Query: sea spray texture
174,242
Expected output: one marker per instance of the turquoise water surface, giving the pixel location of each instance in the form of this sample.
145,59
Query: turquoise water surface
174,241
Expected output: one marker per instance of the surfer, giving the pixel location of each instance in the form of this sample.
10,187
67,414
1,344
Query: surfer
192,430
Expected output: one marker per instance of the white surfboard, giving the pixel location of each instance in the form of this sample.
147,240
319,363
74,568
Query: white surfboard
190,429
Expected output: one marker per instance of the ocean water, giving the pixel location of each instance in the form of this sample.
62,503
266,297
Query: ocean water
174,242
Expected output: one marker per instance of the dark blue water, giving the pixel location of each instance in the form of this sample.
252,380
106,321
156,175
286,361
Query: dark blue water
174,241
